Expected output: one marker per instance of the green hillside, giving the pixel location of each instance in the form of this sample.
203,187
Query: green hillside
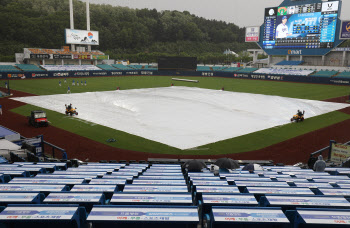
140,35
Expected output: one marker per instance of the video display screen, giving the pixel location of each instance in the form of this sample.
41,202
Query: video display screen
301,26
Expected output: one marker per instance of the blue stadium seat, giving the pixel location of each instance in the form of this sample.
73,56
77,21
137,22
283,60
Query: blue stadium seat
344,74
325,73
122,67
203,68
108,189
8,68
248,70
29,67
290,63
106,67
232,69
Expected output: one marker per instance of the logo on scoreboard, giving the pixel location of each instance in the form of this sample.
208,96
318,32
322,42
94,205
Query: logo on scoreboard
294,52
330,6
282,11
271,11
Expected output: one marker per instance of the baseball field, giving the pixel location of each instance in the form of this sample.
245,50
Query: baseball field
271,143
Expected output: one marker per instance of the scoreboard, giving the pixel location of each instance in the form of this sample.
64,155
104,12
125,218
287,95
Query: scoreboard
304,26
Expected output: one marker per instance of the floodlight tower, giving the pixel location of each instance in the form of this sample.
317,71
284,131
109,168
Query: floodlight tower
88,19
71,20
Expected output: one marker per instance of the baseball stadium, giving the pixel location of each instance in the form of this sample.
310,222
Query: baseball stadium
98,130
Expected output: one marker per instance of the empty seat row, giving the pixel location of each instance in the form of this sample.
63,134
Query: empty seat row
29,67
290,63
8,68
70,67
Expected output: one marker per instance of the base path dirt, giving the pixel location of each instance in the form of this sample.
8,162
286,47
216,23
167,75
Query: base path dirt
291,151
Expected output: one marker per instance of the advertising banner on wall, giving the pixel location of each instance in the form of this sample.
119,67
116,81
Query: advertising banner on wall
345,30
56,56
252,34
82,56
75,36
15,75
39,56
100,57
340,152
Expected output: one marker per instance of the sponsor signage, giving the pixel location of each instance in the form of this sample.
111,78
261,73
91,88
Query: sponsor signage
340,152
99,57
276,78
340,81
61,74
83,73
56,56
207,74
263,77
39,56
116,73
102,73
345,30
132,72
146,73
34,75
15,75
75,36
241,75
82,56
252,34
295,52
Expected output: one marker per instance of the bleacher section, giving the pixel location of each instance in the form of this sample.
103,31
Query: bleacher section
248,70
150,67
63,52
136,67
122,67
218,68
290,63
325,73
232,69
8,68
203,68
70,67
29,67
284,71
56,194
105,67
344,74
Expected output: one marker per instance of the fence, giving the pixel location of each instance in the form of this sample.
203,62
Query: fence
271,77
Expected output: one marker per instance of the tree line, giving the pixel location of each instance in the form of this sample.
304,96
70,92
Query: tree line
140,35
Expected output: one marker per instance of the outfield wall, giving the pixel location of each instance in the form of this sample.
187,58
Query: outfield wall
253,76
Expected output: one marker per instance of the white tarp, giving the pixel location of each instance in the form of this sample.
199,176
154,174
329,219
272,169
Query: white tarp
284,71
183,117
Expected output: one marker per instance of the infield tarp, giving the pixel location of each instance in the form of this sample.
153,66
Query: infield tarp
183,117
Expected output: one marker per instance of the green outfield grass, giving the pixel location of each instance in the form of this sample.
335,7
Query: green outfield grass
253,141
284,89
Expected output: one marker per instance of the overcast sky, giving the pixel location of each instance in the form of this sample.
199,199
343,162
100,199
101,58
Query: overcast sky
241,12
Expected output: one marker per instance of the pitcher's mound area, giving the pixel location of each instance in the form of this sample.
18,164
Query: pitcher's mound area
183,117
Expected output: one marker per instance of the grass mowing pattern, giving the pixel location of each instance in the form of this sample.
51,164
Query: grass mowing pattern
253,141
